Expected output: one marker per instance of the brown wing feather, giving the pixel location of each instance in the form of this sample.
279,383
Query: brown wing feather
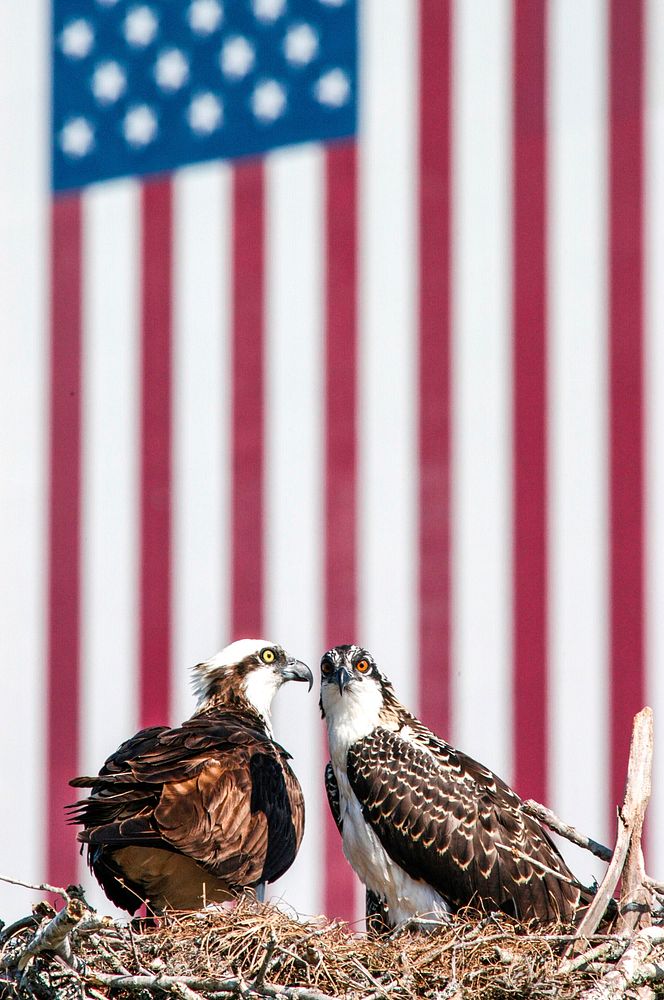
217,790
208,818
453,823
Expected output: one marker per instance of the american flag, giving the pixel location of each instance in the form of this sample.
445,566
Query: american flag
328,321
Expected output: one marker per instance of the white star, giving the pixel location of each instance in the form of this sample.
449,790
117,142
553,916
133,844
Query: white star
140,26
77,39
108,82
268,10
237,57
300,44
268,101
205,114
140,126
171,70
77,138
333,88
205,16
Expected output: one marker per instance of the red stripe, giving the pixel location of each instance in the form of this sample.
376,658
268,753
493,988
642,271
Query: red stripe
341,458
434,363
64,590
626,380
155,635
247,533
530,401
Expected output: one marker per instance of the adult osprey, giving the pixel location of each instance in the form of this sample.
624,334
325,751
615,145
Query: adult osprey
180,817
426,828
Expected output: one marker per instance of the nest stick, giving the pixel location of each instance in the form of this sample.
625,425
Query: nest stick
42,887
549,818
53,937
237,986
633,969
634,903
630,820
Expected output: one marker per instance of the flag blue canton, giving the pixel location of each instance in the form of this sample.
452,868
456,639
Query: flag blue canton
141,88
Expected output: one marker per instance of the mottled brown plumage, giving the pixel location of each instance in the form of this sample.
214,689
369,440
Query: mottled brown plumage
179,817
444,819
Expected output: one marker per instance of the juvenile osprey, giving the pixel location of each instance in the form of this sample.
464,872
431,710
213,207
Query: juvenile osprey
180,817
426,828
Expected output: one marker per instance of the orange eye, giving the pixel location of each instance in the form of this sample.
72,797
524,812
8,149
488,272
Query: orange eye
326,668
362,666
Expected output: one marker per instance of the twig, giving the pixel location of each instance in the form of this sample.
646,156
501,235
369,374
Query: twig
110,956
54,936
19,925
632,969
183,991
611,949
657,887
570,833
134,949
265,964
374,982
42,887
135,983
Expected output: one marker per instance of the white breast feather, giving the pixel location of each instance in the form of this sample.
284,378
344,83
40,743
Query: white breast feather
349,720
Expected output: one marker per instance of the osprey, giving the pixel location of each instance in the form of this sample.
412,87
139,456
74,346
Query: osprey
427,829
178,818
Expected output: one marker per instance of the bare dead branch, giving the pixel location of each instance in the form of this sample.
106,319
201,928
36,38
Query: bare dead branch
54,936
611,949
632,970
634,902
549,818
42,887
235,985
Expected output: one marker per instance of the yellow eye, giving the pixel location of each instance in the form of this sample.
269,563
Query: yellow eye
267,656
326,668
362,666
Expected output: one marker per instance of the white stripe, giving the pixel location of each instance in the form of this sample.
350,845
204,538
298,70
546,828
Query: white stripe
578,418
109,470
201,424
293,477
387,543
481,352
23,392
654,386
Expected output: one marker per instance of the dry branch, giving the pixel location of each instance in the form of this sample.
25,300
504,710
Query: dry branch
634,901
41,887
630,824
632,970
549,818
55,935
206,985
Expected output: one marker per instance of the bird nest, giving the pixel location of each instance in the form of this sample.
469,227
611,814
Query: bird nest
257,950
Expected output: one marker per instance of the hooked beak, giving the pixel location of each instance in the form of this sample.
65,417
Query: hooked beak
296,670
342,677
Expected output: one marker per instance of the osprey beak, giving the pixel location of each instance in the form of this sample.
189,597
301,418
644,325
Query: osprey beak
342,677
296,670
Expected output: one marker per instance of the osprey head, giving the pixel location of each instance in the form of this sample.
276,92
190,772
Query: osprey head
249,669
351,682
